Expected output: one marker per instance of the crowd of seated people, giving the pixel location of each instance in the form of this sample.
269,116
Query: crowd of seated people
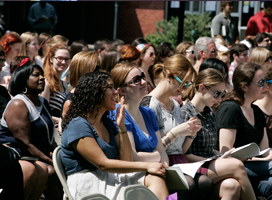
141,108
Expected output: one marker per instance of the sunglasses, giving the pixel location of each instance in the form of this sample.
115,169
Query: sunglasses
180,81
261,82
216,94
192,51
136,80
268,59
214,51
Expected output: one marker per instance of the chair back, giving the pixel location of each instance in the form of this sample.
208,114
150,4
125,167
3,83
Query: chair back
94,196
60,171
137,192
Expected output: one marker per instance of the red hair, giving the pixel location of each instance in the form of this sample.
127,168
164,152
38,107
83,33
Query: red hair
49,72
129,52
8,39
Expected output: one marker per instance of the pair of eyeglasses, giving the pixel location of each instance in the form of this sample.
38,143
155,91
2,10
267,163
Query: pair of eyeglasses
261,82
268,59
214,51
217,94
192,51
2,60
152,54
136,80
60,59
186,84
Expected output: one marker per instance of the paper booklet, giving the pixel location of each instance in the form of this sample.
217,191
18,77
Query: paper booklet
248,151
175,178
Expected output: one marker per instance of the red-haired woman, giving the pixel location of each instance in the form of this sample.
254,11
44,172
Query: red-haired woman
55,63
130,53
12,44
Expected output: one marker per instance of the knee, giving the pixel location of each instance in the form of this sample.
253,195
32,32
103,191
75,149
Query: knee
205,182
30,173
231,186
237,165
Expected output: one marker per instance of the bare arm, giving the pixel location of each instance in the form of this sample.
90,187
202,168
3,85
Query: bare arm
96,156
264,145
226,139
17,118
65,108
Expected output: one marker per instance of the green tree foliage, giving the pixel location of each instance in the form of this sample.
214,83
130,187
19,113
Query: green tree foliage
195,26
165,31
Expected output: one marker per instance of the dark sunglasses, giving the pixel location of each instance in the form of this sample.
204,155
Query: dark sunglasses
136,80
214,50
268,59
261,82
216,94
192,51
186,84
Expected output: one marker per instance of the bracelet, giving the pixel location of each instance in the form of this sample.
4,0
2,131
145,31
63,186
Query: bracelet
173,134
123,132
192,137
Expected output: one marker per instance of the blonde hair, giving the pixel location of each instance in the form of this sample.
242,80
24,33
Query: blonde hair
58,39
259,55
82,63
26,39
183,46
176,65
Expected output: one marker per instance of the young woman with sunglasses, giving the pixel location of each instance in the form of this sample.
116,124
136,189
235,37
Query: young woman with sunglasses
141,123
240,122
146,62
55,63
265,104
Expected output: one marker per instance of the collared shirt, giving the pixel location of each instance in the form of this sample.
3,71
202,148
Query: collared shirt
227,28
232,67
259,23
207,139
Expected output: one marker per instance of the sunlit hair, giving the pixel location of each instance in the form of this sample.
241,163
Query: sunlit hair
129,53
58,39
183,46
208,77
110,59
82,63
9,39
259,55
26,39
88,96
48,68
243,75
202,44
119,74
43,37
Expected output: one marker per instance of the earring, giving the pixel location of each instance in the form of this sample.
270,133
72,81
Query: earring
25,90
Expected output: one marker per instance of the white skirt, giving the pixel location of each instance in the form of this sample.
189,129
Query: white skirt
87,182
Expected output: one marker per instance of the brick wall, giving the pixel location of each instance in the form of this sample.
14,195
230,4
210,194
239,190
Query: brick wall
137,18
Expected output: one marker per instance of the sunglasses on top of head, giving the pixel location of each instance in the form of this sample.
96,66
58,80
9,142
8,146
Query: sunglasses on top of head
216,94
185,84
136,80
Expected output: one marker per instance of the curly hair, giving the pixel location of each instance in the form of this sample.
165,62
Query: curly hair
49,72
8,39
88,96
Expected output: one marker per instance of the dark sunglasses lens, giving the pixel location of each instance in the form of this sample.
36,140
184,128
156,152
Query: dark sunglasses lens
193,52
137,79
261,83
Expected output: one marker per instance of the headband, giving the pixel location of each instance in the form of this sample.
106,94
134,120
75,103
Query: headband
24,61
140,47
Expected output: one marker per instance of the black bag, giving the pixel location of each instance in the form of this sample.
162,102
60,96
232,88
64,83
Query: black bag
8,156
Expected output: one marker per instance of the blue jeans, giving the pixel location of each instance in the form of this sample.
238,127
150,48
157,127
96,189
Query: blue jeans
260,176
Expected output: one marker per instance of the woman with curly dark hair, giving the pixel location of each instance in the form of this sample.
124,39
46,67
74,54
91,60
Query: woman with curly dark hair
86,124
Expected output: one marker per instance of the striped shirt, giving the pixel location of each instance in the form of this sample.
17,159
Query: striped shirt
57,101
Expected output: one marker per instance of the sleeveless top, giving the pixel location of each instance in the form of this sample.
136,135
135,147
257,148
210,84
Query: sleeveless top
39,136
57,101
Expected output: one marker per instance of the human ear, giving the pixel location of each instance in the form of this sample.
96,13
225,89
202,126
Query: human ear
243,87
201,88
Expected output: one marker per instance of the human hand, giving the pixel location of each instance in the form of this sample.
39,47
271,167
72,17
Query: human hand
157,169
195,125
120,115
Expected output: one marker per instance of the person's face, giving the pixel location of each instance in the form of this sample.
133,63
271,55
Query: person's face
15,50
136,90
268,11
32,49
229,8
85,48
189,53
2,62
61,60
176,82
149,56
253,90
266,42
110,96
212,95
211,52
36,81
45,45
242,57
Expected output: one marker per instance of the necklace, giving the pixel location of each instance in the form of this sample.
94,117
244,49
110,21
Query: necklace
47,129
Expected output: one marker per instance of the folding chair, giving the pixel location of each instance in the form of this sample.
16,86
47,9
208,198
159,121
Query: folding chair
137,192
